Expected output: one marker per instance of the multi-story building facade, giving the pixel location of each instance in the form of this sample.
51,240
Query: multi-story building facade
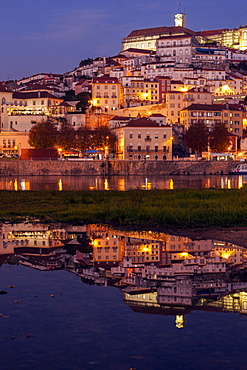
144,139
141,92
107,94
232,115
178,100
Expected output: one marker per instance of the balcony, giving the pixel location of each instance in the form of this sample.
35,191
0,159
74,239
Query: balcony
148,138
136,151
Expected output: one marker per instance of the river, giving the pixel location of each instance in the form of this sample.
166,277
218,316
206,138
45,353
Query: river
121,182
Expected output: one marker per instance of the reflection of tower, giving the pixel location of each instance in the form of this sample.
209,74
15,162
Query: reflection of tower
180,321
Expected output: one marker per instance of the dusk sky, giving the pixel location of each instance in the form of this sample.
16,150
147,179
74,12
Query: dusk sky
54,35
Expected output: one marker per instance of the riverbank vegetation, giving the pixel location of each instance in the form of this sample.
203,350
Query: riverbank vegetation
184,208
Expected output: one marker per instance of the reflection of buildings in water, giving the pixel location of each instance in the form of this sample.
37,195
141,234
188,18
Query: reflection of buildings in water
108,247
30,238
234,302
122,183
157,272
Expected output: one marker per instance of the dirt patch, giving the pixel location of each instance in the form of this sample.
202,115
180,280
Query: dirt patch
235,235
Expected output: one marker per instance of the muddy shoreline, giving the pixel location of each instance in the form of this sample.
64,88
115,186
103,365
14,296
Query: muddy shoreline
235,235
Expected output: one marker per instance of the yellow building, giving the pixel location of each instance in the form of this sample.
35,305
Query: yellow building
232,115
141,92
106,94
107,246
144,139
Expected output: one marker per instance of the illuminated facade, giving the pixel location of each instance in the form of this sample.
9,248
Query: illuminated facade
142,139
106,94
177,100
232,115
141,92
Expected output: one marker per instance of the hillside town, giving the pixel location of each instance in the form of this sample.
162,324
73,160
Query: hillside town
164,81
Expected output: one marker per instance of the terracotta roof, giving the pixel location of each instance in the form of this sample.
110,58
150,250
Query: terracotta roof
33,95
212,32
142,122
161,31
120,118
65,104
2,87
105,79
174,37
214,107
198,90
142,51
156,115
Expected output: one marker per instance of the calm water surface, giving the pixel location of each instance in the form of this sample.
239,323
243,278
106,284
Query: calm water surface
94,297
121,182
89,327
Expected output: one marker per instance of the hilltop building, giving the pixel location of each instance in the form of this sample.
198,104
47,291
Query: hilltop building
146,38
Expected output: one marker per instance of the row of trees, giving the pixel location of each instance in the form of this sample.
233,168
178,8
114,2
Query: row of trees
46,135
199,138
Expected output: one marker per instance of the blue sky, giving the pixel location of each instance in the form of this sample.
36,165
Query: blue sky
54,35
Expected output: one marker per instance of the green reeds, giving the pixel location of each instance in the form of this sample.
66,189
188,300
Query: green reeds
157,208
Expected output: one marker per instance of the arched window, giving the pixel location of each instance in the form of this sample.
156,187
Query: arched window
3,100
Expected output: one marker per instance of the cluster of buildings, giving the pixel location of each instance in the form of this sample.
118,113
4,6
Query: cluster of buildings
157,272
163,77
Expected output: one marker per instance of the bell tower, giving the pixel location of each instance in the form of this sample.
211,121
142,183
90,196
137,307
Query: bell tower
180,18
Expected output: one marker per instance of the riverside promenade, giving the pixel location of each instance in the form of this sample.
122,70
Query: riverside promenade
113,167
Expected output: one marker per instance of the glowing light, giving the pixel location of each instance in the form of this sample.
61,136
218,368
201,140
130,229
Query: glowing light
16,185
227,254
171,184
144,95
106,185
60,185
121,184
240,182
184,254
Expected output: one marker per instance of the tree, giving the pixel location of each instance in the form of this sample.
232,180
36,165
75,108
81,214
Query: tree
85,62
84,101
66,138
69,95
43,135
83,138
196,137
103,138
219,138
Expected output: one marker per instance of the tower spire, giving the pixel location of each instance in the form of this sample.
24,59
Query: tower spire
180,17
